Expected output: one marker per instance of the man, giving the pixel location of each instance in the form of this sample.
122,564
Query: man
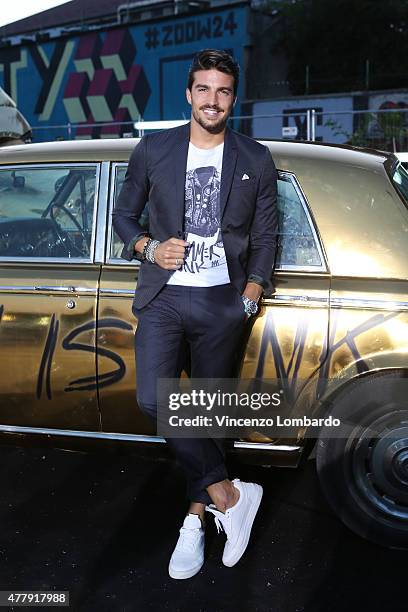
217,189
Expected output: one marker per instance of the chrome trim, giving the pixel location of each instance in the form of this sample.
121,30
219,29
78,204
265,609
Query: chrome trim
117,293
303,301
130,437
266,446
368,304
301,269
319,244
297,298
122,262
95,212
71,289
17,289
109,259
46,289
68,165
74,433
102,207
44,260
30,166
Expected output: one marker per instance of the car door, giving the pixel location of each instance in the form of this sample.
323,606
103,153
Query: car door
286,340
116,328
48,295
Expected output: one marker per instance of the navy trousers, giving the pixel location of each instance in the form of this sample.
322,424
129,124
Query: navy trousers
208,323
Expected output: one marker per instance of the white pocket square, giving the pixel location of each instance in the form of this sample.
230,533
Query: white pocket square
245,177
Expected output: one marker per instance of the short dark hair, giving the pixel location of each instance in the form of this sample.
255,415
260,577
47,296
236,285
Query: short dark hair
217,59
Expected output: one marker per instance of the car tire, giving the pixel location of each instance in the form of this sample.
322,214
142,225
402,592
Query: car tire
363,466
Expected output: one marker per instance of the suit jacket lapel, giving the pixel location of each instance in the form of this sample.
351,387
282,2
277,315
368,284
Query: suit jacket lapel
179,154
229,161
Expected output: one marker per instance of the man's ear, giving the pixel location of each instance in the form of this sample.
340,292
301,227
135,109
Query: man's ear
188,95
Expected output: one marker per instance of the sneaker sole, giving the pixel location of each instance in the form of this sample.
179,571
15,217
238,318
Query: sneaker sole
181,575
246,530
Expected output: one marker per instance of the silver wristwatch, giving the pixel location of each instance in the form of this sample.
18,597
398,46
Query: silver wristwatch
251,307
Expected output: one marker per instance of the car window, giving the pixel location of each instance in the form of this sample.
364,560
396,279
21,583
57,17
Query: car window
47,212
400,180
116,244
297,241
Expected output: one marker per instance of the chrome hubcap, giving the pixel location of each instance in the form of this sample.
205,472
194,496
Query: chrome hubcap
379,461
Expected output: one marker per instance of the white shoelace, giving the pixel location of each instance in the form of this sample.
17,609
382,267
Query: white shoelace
220,523
188,539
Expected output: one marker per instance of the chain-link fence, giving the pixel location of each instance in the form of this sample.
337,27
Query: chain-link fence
385,129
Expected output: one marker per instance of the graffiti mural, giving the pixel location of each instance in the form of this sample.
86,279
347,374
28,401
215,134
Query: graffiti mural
107,85
120,74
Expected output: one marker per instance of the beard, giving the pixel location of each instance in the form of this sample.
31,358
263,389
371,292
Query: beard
213,127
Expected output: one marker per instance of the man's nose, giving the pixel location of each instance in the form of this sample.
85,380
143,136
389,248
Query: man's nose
213,98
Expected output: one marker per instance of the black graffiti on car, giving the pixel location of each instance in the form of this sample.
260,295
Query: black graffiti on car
349,340
70,343
90,383
46,359
289,375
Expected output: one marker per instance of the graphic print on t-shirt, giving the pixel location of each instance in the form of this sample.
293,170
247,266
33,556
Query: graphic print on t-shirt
205,264
202,220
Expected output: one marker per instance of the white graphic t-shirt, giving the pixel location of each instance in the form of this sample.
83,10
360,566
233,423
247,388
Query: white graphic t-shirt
206,263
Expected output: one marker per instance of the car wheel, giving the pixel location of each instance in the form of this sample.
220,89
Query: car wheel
363,464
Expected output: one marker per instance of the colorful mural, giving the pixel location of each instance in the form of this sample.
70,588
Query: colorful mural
115,75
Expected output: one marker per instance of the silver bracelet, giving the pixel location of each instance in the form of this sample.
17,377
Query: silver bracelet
150,249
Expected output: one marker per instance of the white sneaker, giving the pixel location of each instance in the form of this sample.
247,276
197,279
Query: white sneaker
188,556
237,521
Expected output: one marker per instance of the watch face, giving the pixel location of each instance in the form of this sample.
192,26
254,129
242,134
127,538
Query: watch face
253,307
250,306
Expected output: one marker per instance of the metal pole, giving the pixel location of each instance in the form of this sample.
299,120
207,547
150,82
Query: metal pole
307,80
313,125
308,124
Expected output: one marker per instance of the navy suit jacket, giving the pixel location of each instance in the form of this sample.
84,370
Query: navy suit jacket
248,211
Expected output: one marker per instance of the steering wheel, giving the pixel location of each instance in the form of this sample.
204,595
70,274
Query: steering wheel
63,235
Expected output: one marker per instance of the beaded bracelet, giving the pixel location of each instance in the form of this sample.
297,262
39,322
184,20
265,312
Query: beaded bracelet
146,244
150,247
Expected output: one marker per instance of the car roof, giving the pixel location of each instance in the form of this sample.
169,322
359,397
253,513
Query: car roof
119,149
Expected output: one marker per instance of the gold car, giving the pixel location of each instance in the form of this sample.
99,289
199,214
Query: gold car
335,331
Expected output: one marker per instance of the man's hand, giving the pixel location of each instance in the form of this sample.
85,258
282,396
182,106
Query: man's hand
253,291
169,255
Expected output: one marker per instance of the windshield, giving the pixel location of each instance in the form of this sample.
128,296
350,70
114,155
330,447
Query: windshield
400,180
